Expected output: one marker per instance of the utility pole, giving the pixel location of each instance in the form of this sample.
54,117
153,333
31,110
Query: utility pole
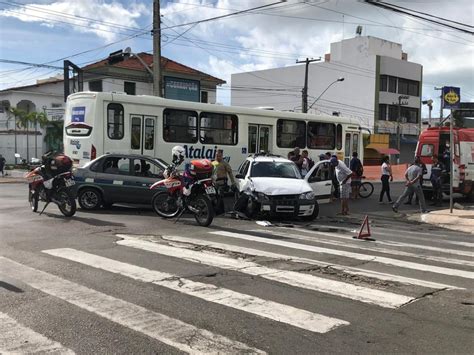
304,92
156,49
440,104
399,118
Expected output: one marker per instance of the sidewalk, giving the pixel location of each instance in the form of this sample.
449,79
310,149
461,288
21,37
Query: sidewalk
14,176
459,220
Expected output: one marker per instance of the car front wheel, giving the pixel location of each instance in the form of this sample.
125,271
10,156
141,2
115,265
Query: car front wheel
89,199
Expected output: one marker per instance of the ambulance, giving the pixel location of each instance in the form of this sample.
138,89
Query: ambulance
435,140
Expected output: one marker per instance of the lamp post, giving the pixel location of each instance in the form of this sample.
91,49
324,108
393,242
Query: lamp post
335,81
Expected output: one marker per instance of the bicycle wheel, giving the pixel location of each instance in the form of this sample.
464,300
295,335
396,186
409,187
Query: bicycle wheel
366,189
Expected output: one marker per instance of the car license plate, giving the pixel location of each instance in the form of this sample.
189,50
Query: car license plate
210,190
69,182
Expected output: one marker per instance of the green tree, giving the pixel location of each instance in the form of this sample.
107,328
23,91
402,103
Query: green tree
54,135
17,114
38,119
24,121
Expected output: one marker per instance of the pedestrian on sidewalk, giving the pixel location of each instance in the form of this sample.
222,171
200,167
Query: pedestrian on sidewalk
2,164
357,171
437,170
385,178
343,176
410,197
413,175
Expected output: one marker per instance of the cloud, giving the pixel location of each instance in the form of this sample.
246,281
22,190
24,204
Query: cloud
84,16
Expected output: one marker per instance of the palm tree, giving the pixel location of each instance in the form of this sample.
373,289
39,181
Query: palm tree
54,135
23,121
16,114
41,119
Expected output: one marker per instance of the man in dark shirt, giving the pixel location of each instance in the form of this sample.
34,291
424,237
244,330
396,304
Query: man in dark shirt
297,158
437,170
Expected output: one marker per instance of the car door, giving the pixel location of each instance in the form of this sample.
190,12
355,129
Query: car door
320,180
241,176
145,173
113,179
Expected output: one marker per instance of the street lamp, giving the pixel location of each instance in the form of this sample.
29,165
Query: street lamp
335,81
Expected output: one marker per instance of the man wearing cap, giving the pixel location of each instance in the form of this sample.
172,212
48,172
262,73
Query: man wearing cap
343,176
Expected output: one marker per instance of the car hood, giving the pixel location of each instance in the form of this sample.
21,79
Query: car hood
280,186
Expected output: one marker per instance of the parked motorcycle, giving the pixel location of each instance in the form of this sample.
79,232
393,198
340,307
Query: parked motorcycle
191,191
52,182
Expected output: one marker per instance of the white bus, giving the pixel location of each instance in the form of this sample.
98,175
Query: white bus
99,122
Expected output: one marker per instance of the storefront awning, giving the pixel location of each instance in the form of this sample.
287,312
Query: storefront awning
381,150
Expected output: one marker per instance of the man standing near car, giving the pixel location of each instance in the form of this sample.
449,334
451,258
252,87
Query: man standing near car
343,175
222,170
413,175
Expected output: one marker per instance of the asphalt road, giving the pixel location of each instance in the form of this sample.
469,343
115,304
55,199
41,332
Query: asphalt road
125,281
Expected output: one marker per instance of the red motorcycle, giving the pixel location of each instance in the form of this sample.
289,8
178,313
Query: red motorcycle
192,191
52,182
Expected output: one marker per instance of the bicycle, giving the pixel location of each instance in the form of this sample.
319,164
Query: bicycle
366,189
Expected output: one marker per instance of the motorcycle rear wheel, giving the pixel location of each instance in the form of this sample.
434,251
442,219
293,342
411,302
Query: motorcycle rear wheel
68,203
33,200
165,206
206,213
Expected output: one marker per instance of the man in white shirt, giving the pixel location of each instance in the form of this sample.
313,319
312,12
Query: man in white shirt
343,175
413,175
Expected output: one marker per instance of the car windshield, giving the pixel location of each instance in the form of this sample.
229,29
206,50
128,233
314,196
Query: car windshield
275,169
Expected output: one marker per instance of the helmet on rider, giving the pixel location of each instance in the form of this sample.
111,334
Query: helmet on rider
177,154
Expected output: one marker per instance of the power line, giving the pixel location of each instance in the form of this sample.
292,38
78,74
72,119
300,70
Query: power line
389,7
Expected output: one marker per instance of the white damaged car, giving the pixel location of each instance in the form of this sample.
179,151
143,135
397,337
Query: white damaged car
275,186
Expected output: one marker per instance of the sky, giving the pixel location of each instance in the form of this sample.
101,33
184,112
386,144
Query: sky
85,31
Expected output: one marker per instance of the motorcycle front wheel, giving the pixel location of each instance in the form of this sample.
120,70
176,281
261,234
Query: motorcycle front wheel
205,213
33,200
164,205
67,204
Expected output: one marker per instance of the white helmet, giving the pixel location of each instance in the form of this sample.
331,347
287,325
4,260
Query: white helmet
177,154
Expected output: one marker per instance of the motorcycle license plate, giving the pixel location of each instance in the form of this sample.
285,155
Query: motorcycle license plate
210,190
69,182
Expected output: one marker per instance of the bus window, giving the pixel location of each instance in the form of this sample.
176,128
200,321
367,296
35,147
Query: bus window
321,135
179,126
136,133
115,121
339,137
218,128
291,134
355,142
149,133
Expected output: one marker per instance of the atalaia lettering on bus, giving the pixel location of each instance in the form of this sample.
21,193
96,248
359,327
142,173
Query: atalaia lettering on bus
200,153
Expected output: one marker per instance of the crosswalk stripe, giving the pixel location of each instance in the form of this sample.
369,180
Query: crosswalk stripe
18,339
364,257
346,269
366,247
173,332
268,309
379,242
319,284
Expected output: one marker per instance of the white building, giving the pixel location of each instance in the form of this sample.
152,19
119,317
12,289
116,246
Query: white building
125,74
376,73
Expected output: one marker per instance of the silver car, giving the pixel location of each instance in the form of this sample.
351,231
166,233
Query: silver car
118,178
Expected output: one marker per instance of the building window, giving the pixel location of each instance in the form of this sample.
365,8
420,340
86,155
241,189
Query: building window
403,86
392,84
321,135
129,88
413,88
115,121
204,97
383,82
382,112
95,85
180,126
218,128
291,134
409,114
392,113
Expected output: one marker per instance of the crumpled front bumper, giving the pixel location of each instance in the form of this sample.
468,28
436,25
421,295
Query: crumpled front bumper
287,204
